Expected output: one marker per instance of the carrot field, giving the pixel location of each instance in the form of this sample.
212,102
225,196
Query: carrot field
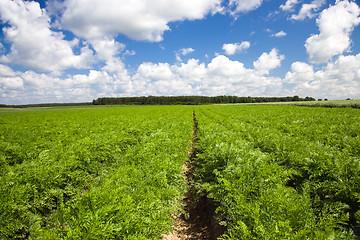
101,172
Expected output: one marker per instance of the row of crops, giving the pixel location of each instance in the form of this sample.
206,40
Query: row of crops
282,172
99,173
274,172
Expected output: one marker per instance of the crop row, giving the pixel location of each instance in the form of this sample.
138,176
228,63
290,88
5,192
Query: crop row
92,173
281,172
276,172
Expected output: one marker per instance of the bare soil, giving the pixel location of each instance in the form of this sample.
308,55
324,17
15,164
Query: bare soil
197,221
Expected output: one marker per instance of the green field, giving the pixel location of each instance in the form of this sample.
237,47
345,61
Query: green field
273,172
329,103
282,172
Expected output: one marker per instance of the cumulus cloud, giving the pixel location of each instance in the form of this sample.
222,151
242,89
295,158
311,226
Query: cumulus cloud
232,77
2,48
279,34
186,51
289,5
137,19
183,52
32,87
335,24
223,66
243,6
153,71
34,44
300,73
107,48
129,53
9,79
268,61
220,76
6,71
107,51
159,79
232,48
338,80
308,10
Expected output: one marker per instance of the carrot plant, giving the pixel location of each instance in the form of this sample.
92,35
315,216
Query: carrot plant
282,172
111,172
276,172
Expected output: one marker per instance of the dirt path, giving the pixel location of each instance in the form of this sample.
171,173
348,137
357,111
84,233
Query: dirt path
197,221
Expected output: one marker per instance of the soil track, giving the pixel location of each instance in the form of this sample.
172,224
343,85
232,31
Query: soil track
197,222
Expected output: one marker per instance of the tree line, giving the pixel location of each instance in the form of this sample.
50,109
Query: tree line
193,100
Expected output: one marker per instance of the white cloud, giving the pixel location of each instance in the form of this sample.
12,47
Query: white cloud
338,80
107,51
224,67
243,6
308,10
231,77
6,71
183,52
11,83
93,78
300,73
335,24
107,48
289,5
2,48
232,48
129,53
279,34
186,51
220,76
160,79
137,19
151,71
268,61
33,44
31,87
192,71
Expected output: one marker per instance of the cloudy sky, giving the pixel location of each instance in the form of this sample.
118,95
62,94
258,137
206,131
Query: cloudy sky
79,50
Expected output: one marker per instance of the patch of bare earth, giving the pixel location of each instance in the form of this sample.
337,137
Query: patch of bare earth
197,221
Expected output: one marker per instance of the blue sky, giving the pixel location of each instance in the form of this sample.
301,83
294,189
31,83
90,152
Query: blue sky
76,51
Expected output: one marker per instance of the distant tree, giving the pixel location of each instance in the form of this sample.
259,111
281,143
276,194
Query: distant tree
296,98
309,99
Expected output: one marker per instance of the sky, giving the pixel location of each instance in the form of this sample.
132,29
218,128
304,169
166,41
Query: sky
59,51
